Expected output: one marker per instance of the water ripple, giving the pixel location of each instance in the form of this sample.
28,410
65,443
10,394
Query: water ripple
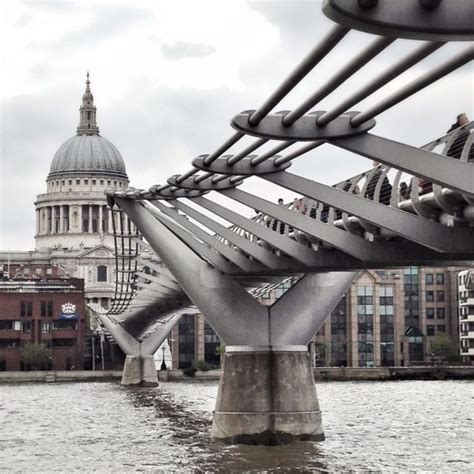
370,426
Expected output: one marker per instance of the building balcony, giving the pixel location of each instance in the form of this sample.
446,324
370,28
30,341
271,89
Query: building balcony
467,351
9,334
64,334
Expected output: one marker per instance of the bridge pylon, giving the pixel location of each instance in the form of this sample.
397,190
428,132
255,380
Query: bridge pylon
139,367
267,393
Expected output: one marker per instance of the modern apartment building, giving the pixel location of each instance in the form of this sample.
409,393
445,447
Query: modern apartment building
387,318
466,315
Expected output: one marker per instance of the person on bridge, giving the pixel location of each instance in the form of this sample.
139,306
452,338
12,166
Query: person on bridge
461,120
460,137
386,188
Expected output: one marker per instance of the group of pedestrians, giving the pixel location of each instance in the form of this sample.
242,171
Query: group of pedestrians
384,193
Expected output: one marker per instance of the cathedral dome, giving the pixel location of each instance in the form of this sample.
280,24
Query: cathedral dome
87,153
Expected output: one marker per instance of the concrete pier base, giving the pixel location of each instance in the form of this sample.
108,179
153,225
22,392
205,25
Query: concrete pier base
140,370
267,397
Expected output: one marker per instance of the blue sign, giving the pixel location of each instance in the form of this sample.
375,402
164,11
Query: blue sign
69,316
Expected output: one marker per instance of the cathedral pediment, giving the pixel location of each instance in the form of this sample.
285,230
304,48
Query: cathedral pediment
101,251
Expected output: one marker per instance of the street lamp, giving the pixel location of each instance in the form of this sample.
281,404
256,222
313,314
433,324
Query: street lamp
163,364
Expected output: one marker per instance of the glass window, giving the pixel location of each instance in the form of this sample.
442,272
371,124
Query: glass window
440,296
440,278
101,273
430,296
94,182
363,290
45,327
26,327
78,181
429,278
441,328
64,325
26,308
440,313
430,313
86,181
430,330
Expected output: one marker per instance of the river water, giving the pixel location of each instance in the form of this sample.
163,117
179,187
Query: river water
377,426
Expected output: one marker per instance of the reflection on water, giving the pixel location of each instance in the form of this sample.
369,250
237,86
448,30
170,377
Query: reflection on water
422,425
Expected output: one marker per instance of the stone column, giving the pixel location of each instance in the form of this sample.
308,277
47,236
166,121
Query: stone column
53,219
100,226
37,221
109,221
267,397
61,219
79,216
43,220
67,227
90,220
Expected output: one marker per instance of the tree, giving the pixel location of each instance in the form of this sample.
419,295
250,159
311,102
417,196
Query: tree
35,356
442,348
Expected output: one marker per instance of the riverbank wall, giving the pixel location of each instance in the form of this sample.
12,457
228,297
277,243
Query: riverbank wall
321,374
354,374
61,376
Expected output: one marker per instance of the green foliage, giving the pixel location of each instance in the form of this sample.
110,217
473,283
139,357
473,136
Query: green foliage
221,349
442,348
200,365
35,356
190,371
203,366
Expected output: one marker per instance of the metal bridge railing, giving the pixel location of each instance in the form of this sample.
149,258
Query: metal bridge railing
423,196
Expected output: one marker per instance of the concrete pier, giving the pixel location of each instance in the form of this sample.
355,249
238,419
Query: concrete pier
139,371
267,397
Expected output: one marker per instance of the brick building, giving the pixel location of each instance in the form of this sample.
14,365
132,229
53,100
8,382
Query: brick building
50,312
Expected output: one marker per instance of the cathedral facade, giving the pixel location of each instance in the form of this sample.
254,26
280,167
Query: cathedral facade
74,228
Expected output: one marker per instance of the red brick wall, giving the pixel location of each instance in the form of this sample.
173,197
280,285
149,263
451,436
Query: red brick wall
62,357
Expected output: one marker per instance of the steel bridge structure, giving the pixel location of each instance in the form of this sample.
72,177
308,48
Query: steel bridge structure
415,206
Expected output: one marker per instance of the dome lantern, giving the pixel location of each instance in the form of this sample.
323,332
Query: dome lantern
88,113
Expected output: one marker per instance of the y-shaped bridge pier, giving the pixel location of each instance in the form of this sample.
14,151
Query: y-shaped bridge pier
414,207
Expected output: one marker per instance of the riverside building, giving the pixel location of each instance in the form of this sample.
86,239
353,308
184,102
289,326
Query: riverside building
466,315
387,318
50,313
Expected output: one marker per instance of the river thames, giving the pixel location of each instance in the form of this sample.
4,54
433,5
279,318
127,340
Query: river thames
377,426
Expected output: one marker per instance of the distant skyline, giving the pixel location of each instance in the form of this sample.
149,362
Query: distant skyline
167,77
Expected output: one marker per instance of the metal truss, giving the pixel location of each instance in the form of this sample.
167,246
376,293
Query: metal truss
415,207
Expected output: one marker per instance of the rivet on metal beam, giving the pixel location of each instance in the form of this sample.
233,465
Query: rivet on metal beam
430,4
367,4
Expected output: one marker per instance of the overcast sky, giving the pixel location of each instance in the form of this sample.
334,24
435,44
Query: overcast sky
167,77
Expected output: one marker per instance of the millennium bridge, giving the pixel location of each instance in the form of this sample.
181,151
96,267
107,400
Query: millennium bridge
413,206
